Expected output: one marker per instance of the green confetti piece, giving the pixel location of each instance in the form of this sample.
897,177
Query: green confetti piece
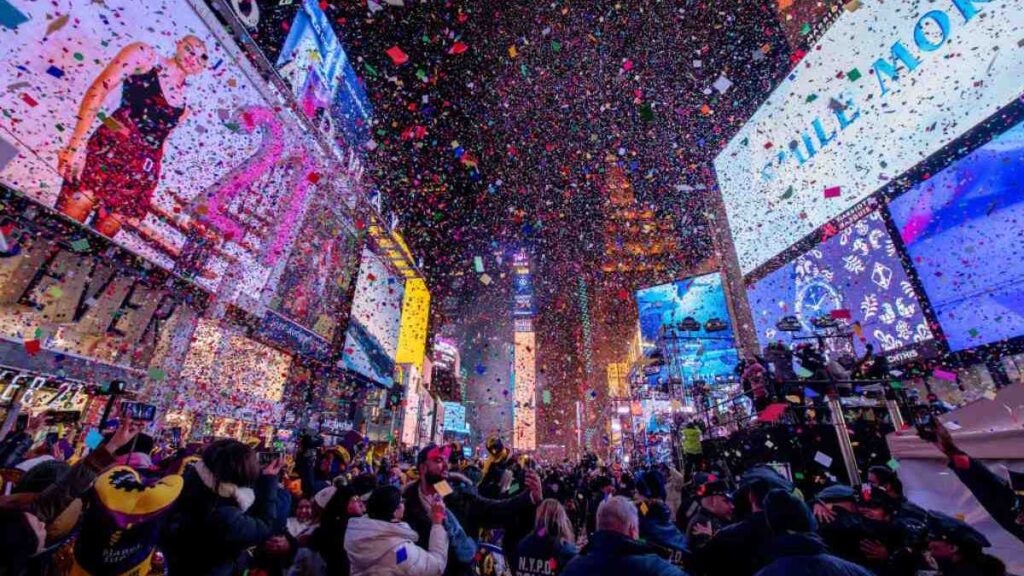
805,30
157,374
973,332
79,56
896,385
798,475
556,46
787,194
893,463
811,98
80,245
854,75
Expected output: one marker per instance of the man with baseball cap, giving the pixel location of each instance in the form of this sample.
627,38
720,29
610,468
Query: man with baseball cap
466,512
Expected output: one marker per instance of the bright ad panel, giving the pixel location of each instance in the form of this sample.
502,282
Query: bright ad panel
855,277
412,337
887,85
374,323
231,375
524,418
962,230
690,355
314,284
137,119
455,418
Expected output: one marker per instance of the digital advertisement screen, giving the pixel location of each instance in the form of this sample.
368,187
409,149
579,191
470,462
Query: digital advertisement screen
455,418
690,355
314,63
887,85
314,284
962,228
856,272
375,321
146,127
231,375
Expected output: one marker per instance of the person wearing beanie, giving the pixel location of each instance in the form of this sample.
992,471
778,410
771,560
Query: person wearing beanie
795,549
381,544
656,527
839,524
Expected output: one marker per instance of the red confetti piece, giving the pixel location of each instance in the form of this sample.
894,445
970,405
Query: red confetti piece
397,56
29,100
458,48
32,347
841,314
832,192
313,177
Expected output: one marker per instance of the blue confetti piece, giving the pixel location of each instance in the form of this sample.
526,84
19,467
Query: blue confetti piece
401,555
55,72
217,65
810,393
11,17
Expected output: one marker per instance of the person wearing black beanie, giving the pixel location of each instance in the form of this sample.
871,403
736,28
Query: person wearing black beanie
795,549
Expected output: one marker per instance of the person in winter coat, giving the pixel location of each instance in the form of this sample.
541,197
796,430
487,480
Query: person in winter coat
795,549
23,521
656,527
713,510
324,553
550,547
613,550
380,544
227,505
467,510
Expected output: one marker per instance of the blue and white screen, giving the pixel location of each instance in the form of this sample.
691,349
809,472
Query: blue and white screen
963,231
857,271
689,355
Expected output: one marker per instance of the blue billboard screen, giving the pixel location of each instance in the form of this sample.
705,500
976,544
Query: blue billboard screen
689,355
854,277
962,230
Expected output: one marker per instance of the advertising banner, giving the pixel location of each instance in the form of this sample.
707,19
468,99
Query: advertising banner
142,121
695,352
412,336
962,230
887,85
854,278
455,418
375,321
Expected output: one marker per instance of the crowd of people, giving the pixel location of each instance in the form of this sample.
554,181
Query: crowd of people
227,507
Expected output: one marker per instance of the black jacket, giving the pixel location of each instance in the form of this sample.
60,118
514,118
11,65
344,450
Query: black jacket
805,555
739,549
612,554
471,512
994,495
539,556
206,534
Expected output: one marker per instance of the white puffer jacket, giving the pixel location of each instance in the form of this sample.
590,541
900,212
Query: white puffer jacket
378,548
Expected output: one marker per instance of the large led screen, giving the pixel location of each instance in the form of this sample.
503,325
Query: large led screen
375,321
964,231
314,284
887,85
856,278
692,354
139,120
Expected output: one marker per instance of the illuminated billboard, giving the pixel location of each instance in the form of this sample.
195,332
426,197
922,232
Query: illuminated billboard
888,84
141,120
854,278
312,289
412,337
455,418
702,350
524,417
372,337
230,375
962,230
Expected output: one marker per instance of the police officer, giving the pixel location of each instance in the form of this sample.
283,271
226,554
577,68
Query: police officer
839,524
713,512
886,547
956,548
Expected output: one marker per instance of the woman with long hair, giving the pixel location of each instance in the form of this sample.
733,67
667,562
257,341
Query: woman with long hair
550,546
228,504
113,170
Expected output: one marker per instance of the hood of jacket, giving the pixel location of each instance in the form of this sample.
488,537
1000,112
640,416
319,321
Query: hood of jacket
656,527
367,540
793,544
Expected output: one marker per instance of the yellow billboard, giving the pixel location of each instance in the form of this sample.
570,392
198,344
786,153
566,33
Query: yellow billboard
412,336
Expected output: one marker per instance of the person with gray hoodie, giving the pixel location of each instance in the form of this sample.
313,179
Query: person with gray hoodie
381,544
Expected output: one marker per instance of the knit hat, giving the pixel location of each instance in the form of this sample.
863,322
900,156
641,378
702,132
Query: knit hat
787,513
651,484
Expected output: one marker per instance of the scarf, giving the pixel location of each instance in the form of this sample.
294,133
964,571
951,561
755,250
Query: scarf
244,497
